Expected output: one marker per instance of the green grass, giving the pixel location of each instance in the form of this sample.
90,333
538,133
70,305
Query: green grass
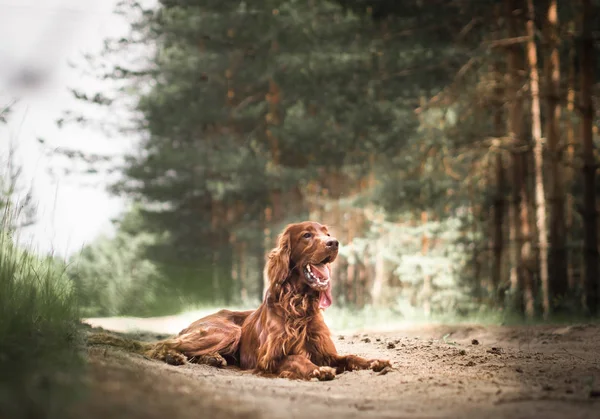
40,349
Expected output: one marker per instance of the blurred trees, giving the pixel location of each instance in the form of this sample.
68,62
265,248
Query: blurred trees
112,276
405,126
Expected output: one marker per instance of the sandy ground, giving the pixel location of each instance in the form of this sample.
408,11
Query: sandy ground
439,371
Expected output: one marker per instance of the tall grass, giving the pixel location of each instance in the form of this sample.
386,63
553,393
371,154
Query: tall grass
40,347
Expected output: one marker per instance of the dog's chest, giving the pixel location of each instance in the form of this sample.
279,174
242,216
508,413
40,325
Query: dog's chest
305,339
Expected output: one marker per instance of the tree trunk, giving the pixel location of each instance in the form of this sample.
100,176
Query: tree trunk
351,232
498,183
479,283
573,257
558,257
266,245
427,290
351,278
590,243
274,214
525,246
341,271
536,133
361,282
497,232
380,278
514,126
243,272
216,286
235,270
224,267
499,204
514,254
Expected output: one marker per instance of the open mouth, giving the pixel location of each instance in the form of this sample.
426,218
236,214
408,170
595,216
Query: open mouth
318,277
317,274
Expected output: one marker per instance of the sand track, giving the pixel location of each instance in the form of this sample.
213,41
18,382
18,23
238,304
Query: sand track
439,371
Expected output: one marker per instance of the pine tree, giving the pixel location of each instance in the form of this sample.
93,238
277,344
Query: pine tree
558,257
536,134
590,239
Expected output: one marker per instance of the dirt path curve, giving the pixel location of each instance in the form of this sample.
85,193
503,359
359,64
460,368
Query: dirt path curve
440,371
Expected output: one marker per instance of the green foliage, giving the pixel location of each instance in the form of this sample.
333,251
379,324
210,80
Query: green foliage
112,277
247,100
443,262
40,362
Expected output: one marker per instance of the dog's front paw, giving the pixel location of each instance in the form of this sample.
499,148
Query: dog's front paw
378,365
324,373
175,358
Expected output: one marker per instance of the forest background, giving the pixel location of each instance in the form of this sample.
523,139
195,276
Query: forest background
450,145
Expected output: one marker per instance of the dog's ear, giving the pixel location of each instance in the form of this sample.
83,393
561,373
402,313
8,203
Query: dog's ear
278,265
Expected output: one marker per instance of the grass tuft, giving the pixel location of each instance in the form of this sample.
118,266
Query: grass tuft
41,361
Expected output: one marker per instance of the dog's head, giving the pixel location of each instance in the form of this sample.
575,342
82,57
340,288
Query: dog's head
303,256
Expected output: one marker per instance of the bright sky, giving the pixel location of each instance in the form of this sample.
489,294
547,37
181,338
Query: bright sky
43,36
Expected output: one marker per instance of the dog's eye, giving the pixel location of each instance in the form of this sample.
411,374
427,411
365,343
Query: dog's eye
307,235
329,235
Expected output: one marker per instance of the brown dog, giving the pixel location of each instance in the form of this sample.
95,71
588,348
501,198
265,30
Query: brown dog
286,336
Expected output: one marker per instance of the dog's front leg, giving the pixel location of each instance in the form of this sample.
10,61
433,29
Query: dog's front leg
326,354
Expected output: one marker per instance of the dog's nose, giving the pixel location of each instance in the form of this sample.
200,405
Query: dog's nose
333,244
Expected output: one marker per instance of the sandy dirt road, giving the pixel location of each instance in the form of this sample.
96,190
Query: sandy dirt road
439,371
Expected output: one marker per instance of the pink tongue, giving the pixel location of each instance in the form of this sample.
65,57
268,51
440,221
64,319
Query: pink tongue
321,271
325,297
